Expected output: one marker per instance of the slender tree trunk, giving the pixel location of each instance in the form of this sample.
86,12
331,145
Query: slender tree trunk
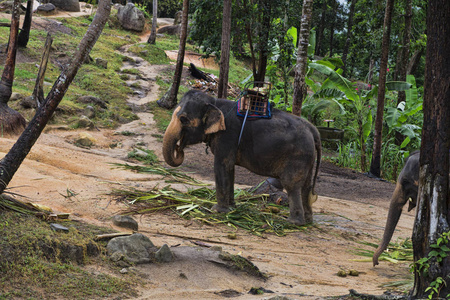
263,43
38,92
13,159
349,36
300,88
376,154
24,34
332,26
169,100
11,122
433,208
320,29
402,64
152,37
225,50
414,61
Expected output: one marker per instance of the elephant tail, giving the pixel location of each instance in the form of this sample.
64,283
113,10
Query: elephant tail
318,145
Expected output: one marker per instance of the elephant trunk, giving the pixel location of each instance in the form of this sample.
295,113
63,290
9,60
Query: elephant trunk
172,152
395,211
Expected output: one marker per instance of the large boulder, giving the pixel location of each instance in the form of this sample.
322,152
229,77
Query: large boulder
66,5
136,248
131,18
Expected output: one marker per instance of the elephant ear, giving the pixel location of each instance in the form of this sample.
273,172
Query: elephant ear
214,120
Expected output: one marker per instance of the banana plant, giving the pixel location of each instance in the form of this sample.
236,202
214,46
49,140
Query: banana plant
396,117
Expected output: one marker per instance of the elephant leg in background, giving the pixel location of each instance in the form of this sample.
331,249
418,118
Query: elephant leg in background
306,198
296,211
224,176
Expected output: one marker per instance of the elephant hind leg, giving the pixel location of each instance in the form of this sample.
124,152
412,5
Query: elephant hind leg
296,211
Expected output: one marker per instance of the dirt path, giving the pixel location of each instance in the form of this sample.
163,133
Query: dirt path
301,264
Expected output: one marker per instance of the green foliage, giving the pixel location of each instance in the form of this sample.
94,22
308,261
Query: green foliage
439,250
31,267
145,156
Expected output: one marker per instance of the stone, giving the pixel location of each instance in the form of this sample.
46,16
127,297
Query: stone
67,5
28,102
125,222
84,139
89,112
58,227
46,9
131,18
93,100
102,63
164,254
85,122
177,19
170,29
136,248
16,96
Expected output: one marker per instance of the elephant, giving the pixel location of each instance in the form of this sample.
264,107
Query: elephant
283,147
405,189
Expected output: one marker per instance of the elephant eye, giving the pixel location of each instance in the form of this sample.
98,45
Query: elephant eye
184,120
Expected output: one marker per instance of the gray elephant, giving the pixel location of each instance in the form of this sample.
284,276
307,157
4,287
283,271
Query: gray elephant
284,147
406,189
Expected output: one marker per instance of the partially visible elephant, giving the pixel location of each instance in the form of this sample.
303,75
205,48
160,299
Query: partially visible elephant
406,189
284,147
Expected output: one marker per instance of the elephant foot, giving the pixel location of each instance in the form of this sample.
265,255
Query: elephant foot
220,208
296,221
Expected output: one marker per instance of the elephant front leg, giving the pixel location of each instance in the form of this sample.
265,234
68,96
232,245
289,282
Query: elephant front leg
296,211
224,176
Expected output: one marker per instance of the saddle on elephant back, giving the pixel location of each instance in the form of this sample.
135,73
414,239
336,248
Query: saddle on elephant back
253,102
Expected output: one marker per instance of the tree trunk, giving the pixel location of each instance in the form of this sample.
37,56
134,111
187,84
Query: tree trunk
433,208
225,50
414,61
13,159
152,37
376,154
319,33
349,36
11,122
263,43
24,35
38,92
332,26
300,89
169,100
402,63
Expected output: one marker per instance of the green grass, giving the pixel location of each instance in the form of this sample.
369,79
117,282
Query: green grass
32,268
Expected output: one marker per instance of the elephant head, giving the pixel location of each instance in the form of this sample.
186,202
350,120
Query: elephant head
405,191
192,120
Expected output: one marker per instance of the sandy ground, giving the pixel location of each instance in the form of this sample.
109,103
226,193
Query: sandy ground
299,265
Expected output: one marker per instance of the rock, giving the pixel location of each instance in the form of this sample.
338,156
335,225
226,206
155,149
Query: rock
16,96
84,139
164,254
67,5
125,222
28,102
177,19
136,248
46,9
89,112
131,18
93,100
85,122
171,30
58,227
102,63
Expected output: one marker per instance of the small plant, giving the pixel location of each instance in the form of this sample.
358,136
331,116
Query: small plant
437,255
145,156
